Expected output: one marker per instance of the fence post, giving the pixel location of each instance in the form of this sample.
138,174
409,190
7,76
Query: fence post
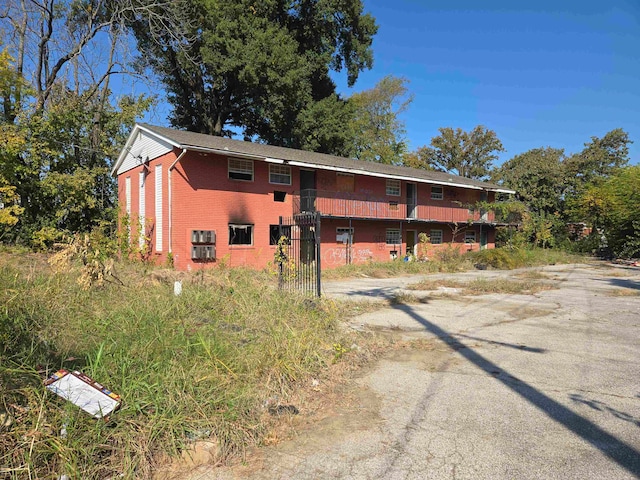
318,257
278,249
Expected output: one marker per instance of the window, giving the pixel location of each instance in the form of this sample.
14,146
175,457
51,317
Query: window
393,187
344,235
240,234
394,236
280,174
436,237
274,233
279,196
345,182
436,193
241,169
470,237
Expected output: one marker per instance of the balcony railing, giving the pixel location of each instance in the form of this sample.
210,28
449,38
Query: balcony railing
360,205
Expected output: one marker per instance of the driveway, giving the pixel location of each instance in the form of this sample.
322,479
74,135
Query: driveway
542,386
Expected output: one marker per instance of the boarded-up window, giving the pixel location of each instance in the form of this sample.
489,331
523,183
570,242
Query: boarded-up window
158,209
345,182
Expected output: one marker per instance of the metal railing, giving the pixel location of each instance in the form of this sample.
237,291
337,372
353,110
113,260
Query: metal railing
359,205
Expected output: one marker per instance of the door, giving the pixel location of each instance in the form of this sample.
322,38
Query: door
411,200
483,239
307,191
411,242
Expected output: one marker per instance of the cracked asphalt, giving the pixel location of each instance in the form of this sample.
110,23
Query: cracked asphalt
543,386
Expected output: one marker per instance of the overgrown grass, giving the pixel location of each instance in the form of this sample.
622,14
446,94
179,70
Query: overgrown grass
450,260
194,366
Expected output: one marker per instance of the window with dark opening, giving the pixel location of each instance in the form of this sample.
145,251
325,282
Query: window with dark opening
240,169
240,234
279,196
274,233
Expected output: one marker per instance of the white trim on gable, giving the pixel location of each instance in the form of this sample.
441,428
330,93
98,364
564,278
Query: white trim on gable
141,146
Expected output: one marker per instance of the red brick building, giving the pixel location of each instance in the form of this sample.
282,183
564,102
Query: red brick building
202,199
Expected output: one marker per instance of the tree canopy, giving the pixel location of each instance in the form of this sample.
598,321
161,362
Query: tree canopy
261,67
468,154
378,133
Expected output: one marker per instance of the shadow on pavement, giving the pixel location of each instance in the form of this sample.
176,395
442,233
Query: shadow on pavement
618,451
524,348
603,407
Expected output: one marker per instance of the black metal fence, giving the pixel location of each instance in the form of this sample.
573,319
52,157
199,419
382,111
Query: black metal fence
298,253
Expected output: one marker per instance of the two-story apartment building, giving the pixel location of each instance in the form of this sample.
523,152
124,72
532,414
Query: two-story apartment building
199,199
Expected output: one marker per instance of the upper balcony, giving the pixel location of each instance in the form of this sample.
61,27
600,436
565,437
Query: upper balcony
364,206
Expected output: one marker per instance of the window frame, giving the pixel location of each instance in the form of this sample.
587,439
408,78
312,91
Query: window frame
348,230
273,166
467,237
441,235
238,226
239,170
390,231
272,240
435,195
390,189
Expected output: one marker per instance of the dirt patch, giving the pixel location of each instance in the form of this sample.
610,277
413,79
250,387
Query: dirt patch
623,292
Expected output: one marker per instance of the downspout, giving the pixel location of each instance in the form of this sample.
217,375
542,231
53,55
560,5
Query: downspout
184,150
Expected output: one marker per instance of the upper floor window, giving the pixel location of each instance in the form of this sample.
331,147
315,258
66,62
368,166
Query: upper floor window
280,174
393,187
240,169
345,182
437,192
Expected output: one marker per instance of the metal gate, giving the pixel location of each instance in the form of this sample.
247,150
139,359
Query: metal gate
298,253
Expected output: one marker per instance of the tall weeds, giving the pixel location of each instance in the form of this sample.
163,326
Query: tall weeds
194,366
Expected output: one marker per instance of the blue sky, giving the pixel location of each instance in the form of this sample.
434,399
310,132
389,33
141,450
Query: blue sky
552,74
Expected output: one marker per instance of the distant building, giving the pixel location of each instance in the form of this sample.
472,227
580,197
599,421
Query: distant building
201,198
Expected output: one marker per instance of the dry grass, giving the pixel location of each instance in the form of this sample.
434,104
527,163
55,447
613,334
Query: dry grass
483,286
197,366
532,275
623,292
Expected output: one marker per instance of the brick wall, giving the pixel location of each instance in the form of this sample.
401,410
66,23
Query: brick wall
204,198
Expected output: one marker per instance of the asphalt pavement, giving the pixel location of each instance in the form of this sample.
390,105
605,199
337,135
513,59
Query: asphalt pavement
542,386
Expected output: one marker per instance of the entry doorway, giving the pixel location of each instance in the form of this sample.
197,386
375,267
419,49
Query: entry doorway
412,242
484,240
307,191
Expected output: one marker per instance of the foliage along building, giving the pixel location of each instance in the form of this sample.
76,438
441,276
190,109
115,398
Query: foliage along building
199,200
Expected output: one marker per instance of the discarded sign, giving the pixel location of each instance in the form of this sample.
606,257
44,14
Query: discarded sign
83,392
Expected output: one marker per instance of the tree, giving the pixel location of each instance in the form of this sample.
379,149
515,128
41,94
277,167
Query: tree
613,205
260,67
378,133
468,154
62,124
538,178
